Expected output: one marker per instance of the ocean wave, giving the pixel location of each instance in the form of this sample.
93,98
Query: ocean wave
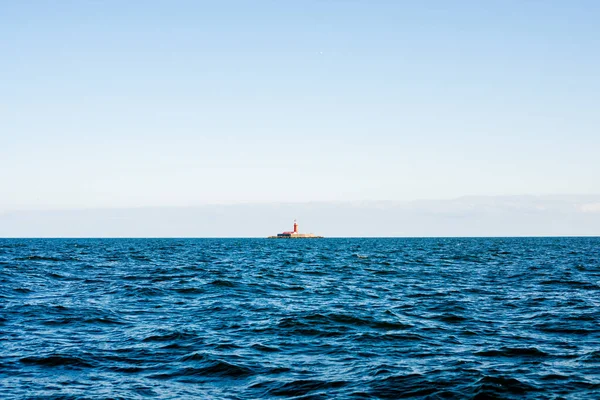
250,319
56,360
513,352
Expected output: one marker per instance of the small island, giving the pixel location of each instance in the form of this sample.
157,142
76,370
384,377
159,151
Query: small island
295,234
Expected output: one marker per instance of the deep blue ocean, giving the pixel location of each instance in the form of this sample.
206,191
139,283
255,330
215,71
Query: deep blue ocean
308,319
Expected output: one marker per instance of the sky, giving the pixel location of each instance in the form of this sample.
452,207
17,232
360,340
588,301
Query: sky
479,216
117,104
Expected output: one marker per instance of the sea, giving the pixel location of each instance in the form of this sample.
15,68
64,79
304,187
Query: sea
434,318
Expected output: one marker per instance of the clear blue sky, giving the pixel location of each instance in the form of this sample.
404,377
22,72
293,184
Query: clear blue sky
156,103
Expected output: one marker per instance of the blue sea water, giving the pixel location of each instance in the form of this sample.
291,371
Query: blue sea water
308,319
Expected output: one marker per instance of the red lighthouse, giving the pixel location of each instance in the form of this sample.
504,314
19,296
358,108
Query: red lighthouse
295,227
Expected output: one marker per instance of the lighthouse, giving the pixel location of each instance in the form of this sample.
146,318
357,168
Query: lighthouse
294,234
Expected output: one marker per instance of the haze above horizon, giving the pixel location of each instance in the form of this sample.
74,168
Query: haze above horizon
140,104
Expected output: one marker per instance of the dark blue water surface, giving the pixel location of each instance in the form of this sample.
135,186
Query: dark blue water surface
330,318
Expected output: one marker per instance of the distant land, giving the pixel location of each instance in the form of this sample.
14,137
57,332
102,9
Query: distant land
551,215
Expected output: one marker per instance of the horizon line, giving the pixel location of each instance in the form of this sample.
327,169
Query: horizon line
326,237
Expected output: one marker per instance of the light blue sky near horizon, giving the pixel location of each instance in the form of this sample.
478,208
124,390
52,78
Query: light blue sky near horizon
168,103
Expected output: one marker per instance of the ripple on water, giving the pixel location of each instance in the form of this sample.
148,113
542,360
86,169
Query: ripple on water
333,318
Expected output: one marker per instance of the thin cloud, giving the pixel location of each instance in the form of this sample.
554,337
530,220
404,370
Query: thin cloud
590,208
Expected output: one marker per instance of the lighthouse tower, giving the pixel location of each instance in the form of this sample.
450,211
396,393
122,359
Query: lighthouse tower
295,227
